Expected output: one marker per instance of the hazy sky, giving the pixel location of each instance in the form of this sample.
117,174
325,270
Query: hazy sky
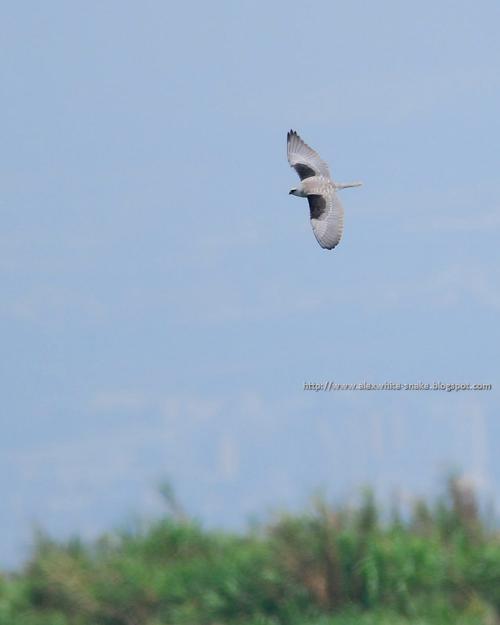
163,299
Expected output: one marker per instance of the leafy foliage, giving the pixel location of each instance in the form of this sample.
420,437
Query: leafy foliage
438,564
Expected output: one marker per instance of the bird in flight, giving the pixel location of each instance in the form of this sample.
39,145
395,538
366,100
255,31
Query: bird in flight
327,212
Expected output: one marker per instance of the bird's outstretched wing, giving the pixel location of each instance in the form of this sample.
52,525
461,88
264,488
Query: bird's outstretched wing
304,159
327,218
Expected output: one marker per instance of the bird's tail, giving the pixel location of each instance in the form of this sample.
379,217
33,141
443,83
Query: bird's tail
347,185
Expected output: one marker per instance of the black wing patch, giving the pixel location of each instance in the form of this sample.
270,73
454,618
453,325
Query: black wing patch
317,206
304,171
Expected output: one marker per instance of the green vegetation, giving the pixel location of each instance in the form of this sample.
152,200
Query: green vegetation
436,564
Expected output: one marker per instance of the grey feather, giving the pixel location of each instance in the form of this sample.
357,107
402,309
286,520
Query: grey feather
301,156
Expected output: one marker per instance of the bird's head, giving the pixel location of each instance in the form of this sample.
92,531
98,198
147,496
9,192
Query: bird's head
298,192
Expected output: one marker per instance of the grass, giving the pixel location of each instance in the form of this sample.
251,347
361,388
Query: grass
438,564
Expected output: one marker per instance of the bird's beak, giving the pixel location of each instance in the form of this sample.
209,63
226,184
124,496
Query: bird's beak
290,192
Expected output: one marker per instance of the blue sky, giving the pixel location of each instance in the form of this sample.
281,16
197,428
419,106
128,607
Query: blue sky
163,298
